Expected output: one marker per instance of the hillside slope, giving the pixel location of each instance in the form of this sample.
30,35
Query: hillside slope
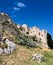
23,56
26,45
8,29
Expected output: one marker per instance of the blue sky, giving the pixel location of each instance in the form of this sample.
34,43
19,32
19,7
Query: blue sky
31,12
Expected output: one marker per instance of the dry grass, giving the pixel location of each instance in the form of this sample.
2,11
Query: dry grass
23,56
3,46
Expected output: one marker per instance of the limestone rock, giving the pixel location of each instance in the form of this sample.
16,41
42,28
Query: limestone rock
7,51
11,46
1,51
10,43
8,29
37,57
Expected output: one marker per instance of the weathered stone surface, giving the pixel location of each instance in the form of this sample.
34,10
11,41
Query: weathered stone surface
1,51
11,47
10,43
37,57
8,29
6,50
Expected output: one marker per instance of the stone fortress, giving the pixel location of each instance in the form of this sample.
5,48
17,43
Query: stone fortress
35,31
41,35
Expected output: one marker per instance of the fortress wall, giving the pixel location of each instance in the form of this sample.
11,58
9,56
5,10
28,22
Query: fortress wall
40,34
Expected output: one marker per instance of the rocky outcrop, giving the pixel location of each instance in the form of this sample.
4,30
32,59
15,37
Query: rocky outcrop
27,36
1,30
10,48
1,51
37,57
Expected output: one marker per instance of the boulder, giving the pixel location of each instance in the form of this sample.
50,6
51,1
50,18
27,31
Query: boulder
1,51
37,57
11,47
7,51
10,43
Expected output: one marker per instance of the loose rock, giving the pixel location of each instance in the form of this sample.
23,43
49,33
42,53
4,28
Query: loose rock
37,57
11,47
1,51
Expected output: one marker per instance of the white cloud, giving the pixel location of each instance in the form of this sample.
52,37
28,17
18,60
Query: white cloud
20,4
16,8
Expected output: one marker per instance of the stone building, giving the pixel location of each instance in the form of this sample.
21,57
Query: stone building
12,28
40,34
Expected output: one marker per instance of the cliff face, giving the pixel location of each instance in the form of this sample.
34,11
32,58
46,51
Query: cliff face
0,30
22,34
7,27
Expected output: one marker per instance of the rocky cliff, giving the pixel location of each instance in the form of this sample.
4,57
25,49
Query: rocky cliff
32,37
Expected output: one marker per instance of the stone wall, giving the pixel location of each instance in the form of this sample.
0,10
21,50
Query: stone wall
14,29
40,34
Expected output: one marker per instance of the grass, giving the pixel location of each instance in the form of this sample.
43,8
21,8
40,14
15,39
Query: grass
23,56
0,61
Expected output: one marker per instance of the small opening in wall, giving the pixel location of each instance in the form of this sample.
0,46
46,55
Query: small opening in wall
7,21
21,29
40,38
42,35
33,31
39,33
27,32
